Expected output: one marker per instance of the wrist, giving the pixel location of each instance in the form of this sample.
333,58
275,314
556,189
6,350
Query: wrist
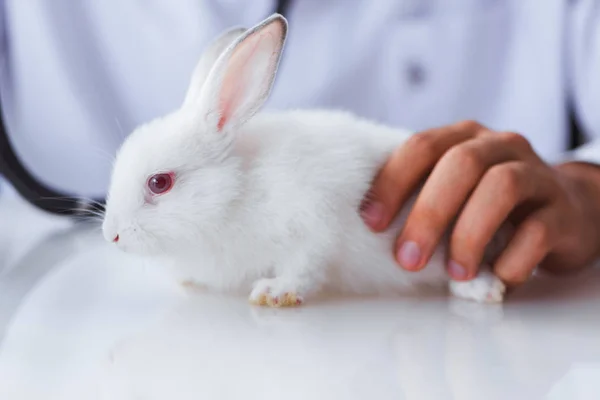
582,184
582,177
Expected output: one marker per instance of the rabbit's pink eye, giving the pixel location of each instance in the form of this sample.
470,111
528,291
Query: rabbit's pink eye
160,183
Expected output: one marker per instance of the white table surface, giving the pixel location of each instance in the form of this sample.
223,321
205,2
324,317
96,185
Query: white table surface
79,320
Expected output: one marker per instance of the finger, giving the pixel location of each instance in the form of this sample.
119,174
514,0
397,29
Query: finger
534,239
444,193
501,190
406,169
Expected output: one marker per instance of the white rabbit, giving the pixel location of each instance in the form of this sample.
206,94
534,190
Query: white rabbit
266,203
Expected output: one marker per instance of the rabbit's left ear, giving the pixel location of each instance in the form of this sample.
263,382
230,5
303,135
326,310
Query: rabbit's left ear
242,77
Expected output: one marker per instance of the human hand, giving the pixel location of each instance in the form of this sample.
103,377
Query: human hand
476,179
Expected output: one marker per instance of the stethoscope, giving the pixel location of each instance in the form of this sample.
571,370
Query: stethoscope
53,201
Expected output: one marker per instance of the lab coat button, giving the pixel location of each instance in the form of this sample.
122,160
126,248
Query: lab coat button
415,74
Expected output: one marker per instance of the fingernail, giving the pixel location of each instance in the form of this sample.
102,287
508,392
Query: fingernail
372,213
457,271
409,255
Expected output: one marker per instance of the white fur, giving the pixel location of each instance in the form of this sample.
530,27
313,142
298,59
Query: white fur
268,202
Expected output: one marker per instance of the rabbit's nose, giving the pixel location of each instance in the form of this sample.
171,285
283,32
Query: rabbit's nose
110,230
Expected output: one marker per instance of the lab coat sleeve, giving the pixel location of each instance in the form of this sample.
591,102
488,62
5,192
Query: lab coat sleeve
3,32
3,37
583,75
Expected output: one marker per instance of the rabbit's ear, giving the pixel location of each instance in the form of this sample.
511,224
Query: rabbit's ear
241,79
207,60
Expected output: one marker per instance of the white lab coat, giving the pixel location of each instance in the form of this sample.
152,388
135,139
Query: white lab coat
77,76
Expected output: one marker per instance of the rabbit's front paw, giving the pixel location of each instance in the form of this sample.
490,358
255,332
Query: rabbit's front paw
276,292
484,288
